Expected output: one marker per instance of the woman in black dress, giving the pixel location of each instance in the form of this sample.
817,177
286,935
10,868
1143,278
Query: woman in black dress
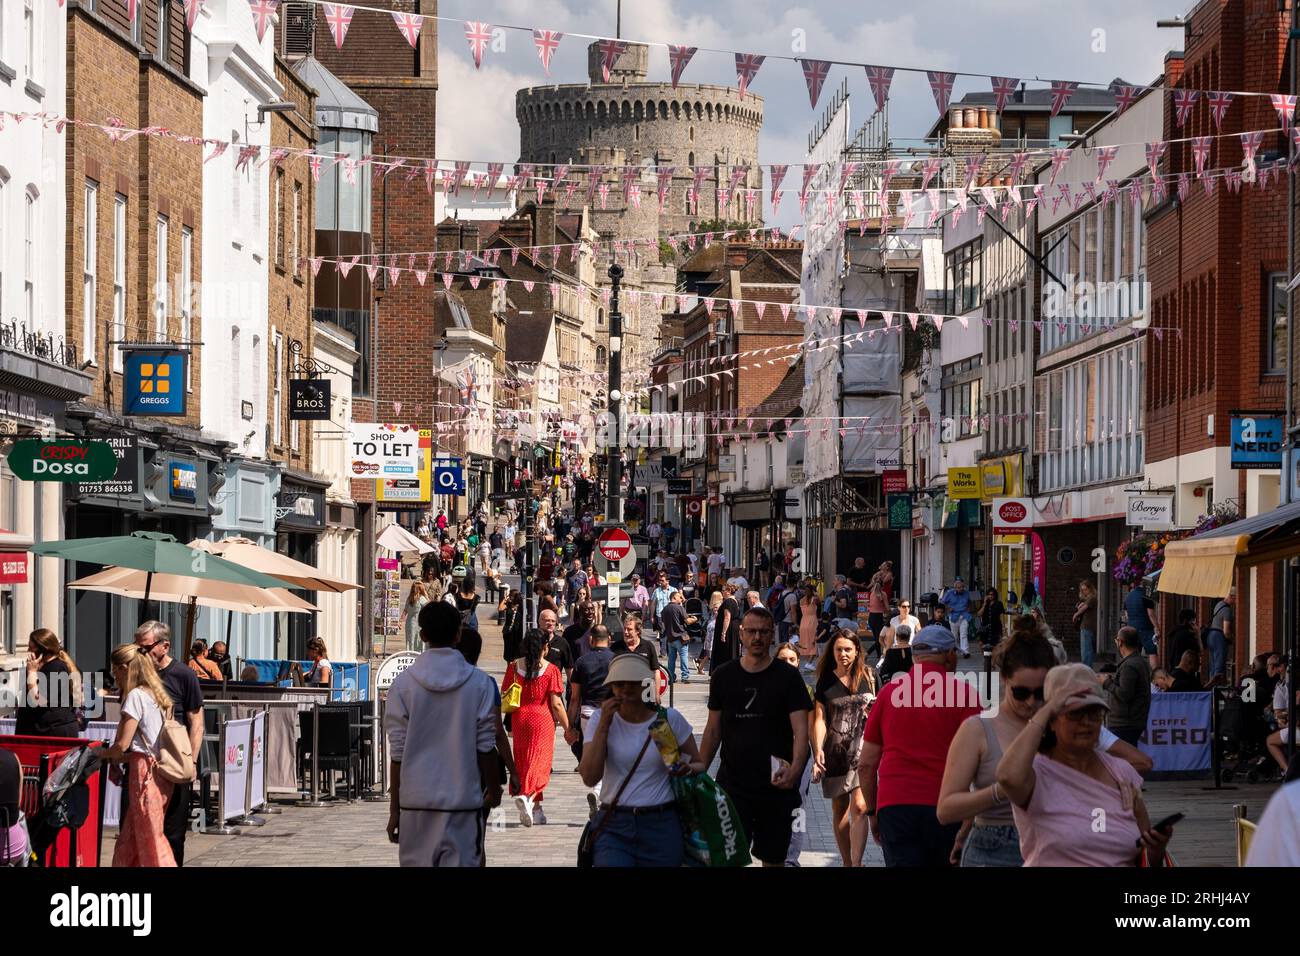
49,707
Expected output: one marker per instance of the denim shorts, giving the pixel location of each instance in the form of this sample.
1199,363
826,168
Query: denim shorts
992,846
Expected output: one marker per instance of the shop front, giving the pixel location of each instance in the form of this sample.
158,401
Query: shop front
300,513
166,481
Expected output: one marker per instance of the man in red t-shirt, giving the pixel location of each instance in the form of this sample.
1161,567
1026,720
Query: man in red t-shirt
905,748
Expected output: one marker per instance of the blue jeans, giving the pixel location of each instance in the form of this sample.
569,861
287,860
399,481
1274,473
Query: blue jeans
992,846
1217,644
654,839
1087,645
677,652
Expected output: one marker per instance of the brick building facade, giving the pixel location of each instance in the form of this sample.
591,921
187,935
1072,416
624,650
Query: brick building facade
1217,270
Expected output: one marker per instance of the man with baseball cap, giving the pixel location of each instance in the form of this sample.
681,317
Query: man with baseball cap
905,749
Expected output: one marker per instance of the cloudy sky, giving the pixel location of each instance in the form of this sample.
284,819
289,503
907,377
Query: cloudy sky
1094,41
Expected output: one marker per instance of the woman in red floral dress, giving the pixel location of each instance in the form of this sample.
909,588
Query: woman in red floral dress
541,708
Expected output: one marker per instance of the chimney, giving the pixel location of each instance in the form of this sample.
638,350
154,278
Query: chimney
736,255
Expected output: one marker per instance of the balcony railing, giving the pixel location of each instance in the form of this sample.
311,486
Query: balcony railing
14,337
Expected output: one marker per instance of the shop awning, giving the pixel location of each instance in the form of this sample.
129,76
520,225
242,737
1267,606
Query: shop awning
1204,565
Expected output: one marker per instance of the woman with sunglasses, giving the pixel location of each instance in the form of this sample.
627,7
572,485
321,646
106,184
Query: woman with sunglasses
1060,783
969,792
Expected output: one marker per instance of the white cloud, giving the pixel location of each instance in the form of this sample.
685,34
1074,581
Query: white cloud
476,110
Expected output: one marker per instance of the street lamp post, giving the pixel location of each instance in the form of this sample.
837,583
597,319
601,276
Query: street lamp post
614,473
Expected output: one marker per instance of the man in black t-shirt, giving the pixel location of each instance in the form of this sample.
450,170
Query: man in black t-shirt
587,691
182,686
672,628
584,616
559,652
758,715
858,575
634,643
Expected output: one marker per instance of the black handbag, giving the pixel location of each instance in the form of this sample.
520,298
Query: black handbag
587,842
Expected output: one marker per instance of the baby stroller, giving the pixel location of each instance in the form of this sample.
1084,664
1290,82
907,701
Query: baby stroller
65,799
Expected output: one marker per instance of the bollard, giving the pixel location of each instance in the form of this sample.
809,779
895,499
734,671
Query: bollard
266,749
315,800
377,753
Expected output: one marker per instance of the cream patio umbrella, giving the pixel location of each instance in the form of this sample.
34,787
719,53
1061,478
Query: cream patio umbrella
192,591
396,538
249,554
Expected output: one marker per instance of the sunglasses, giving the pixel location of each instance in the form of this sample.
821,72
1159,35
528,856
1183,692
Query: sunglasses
1023,694
1084,715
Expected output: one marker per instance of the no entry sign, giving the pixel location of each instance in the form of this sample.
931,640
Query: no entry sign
614,550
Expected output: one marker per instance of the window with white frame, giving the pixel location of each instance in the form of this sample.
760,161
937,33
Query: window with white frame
4,224
90,258
160,303
277,220
276,436
119,277
297,216
187,298
164,27
30,213
31,42
1275,331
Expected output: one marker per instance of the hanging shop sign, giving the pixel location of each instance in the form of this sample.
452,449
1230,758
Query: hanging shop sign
893,481
900,511
125,481
384,451
66,460
965,483
993,478
1257,441
449,480
1012,515
298,506
679,486
309,399
183,479
417,489
1151,512
153,382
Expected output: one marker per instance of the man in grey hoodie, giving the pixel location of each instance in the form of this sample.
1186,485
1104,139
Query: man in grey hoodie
441,725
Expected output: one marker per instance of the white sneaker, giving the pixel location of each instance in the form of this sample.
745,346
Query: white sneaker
524,806
539,817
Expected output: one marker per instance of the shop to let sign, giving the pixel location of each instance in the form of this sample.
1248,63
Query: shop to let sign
63,460
384,451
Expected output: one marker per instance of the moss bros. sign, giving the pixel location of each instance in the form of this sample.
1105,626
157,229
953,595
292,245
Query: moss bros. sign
63,460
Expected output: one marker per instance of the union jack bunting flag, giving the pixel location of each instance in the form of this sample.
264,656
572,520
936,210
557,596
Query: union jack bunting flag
1105,155
338,17
409,24
1125,96
478,35
1201,152
747,65
610,51
880,78
1059,158
192,8
1004,87
1285,106
546,42
263,11
941,86
814,74
1219,103
678,57
1184,101
1062,90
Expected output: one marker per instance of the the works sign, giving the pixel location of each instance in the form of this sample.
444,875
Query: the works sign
67,460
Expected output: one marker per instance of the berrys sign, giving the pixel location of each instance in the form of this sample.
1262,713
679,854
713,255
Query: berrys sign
1151,512
63,460
309,399
1012,515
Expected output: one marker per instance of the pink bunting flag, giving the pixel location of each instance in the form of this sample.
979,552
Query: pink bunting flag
132,7
409,25
528,285
747,65
814,75
1018,162
760,307
314,262
372,270
1004,87
546,42
342,267
610,51
1184,102
338,17
785,311
1154,153
928,172
1285,106
912,319
394,274
941,86
1201,152
192,8
1105,155
880,78
1250,143
809,171
1059,158
478,35
1219,104
973,165
262,10
678,57
708,306
218,148
1062,90
665,184
776,175
1125,96
420,276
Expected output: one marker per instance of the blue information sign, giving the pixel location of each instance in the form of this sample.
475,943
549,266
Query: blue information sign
1257,441
449,480
153,383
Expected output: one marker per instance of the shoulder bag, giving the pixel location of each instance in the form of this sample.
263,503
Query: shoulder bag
587,843
175,755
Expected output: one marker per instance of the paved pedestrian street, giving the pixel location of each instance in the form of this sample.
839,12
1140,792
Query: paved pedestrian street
352,834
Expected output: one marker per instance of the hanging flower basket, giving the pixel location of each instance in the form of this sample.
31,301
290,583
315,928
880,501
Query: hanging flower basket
1144,553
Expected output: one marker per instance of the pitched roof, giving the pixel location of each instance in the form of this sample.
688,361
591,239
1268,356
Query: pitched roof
337,106
527,336
786,399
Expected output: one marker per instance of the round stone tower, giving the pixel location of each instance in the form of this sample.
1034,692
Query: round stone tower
630,121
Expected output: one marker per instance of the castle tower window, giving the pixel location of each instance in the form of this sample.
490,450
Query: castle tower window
691,136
